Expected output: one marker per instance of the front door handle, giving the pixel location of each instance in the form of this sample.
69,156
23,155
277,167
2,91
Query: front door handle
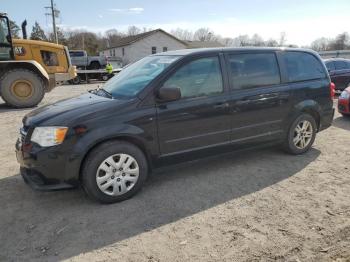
221,105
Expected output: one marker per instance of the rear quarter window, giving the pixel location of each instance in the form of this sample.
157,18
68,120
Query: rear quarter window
302,66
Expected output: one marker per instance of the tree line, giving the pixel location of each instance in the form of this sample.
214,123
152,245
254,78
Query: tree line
92,42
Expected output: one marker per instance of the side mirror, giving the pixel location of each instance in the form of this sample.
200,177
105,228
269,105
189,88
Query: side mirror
167,94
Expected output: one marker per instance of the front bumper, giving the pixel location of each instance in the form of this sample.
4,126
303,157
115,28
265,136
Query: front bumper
42,168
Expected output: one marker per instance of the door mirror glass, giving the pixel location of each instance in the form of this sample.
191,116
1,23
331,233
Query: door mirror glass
169,93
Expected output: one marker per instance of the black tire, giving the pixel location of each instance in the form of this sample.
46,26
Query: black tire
95,65
345,115
34,83
76,80
98,156
289,145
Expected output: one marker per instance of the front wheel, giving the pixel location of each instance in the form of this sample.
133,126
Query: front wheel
114,171
301,135
22,88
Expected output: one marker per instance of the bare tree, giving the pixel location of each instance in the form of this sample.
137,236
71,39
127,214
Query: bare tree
241,40
341,42
271,43
257,40
204,34
133,30
182,34
321,44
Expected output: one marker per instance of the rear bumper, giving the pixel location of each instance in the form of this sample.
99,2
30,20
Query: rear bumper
344,106
326,119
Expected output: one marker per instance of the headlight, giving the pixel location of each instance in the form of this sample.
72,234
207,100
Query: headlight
49,136
345,95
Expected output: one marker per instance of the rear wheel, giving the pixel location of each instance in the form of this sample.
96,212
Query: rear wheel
301,135
22,88
95,65
114,171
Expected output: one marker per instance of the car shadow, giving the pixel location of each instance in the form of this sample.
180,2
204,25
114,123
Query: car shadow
65,223
342,122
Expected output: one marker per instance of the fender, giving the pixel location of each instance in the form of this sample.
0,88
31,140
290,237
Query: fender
306,106
97,136
28,64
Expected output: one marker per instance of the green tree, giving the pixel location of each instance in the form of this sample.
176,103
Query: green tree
38,33
15,29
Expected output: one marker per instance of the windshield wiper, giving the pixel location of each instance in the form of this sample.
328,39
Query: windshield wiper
101,92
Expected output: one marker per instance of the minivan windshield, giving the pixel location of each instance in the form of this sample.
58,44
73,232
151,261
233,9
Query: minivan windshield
134,78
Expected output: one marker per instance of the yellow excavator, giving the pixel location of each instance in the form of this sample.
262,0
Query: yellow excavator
29,68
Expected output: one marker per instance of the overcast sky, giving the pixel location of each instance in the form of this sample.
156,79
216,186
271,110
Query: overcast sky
302,20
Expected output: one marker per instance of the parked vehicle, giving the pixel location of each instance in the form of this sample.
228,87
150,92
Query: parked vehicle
171,107
339,71
82,61
344,102
29,68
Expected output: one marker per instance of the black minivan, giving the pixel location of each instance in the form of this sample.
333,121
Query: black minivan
175,106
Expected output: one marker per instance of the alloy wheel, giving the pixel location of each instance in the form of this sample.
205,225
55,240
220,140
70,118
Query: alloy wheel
303,133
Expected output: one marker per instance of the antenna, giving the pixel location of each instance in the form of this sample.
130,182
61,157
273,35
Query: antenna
54,13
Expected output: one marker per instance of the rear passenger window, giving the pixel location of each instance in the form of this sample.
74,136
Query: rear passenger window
254,70
303,66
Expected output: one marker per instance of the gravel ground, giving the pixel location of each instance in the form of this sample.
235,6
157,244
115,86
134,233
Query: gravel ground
262,205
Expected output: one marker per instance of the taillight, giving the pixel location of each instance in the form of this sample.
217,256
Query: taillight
332,89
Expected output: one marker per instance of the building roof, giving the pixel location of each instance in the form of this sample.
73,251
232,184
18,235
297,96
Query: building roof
134,38
203,44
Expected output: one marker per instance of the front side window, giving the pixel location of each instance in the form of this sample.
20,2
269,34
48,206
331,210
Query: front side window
49,58
134,78
253,70
303,66
201,77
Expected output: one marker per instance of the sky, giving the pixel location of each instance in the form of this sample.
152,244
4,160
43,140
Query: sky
302,20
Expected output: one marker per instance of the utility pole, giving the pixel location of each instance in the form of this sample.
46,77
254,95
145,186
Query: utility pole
53,12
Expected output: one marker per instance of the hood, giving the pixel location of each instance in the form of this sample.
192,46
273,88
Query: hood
68,111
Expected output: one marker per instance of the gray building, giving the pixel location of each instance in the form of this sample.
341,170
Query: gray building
132,48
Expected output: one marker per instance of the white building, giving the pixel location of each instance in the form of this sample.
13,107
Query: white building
133,48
